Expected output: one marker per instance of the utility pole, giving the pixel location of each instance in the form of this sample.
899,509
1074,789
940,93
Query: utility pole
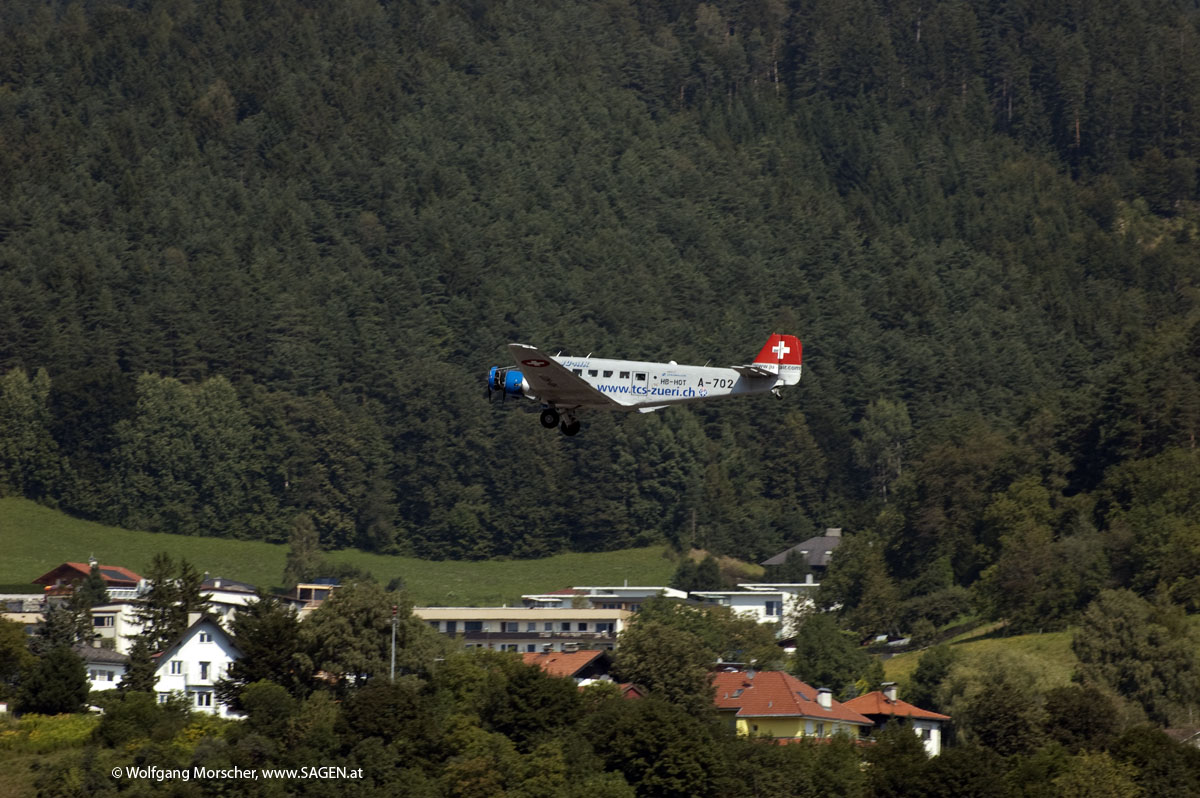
394,609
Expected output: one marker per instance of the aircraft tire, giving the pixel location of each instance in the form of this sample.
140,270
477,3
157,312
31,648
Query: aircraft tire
570,428
549,418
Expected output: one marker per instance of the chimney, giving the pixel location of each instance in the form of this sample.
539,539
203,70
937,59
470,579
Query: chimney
889,691
833,533
193,617
825,697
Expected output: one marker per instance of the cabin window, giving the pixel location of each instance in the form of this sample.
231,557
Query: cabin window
607,374
593,373
577,372
624,375
640,376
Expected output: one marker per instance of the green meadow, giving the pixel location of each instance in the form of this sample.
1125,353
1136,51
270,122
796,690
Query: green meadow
34,539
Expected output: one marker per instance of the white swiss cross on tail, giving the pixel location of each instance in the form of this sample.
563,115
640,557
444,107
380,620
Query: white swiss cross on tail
780,349
781,355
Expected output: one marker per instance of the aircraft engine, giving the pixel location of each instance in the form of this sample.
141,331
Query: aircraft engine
514,384
507,382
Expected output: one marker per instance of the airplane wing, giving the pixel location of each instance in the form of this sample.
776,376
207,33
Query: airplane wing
754,371
553,383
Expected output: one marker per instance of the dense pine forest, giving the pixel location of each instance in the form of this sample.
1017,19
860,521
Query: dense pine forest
255,259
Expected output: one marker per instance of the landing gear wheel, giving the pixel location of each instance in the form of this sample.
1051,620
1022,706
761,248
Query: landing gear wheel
549,418
570,428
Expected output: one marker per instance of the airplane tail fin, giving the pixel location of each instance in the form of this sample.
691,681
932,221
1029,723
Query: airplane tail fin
781,355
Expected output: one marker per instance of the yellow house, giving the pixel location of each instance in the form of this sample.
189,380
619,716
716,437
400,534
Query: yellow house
777,704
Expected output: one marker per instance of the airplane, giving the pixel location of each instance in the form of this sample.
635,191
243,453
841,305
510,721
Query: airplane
566,385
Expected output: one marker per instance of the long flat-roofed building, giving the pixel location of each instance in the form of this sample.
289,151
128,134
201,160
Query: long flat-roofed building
528,629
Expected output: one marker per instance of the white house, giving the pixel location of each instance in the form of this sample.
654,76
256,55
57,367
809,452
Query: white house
105,667
766,602
194,663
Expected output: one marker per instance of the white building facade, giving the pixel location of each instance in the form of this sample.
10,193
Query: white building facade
194,663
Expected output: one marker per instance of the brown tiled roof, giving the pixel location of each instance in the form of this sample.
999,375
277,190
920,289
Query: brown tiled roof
562,663
114,575
877,703
767,693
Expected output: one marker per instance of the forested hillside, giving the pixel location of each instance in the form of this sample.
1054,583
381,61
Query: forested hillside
256,257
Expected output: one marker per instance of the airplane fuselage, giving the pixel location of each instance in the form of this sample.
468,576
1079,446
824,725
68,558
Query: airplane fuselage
638,385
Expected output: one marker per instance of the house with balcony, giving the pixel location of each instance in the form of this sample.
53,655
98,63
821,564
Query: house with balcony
766,602
526,629
194,662
607,597
116,624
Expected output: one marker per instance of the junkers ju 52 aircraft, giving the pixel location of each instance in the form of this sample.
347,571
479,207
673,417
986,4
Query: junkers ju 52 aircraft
566,385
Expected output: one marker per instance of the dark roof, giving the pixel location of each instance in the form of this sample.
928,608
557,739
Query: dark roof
210,583
100,655
818,549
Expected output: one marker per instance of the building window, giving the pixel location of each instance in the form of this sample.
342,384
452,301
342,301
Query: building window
451,627
531,626
176,667
204,666
434,624
774,607
103,620
204,699
548,626
206,637
472,626
582,627
605,627
531,647
566,626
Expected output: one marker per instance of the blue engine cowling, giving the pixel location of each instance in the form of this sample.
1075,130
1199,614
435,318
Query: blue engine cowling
506,381
514,383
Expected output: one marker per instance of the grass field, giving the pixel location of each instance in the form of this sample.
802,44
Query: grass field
34,539
1047,655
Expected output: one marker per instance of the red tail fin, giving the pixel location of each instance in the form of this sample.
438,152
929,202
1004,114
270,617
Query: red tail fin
781,354
780,350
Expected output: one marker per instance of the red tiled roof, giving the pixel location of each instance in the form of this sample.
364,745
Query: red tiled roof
769,693
561,663
114,575
877,703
